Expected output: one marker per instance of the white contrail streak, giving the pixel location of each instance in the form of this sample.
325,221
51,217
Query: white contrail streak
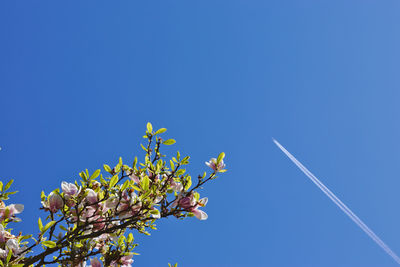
340,204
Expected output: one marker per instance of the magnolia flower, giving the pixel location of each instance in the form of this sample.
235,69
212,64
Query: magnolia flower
4,235
70,189
213,164
3,253
189,203
125,261
91,196
95,263
111,203
81,264
129,206
13,245
176,186
10,211
201,215
54,202
99,242
134,178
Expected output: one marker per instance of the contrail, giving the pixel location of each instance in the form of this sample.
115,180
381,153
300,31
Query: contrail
340,204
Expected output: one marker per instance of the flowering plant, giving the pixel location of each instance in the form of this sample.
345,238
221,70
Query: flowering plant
93,219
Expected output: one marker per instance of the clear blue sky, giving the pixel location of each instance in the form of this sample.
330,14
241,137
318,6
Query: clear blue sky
79,80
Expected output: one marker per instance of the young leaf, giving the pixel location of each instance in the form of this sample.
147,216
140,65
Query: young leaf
49,244
95,174
40,224
145,183
130,238
149,128
10,253
169,142
160,131
48,225
113,181
125,185
8,184
188,183
107,168
220,157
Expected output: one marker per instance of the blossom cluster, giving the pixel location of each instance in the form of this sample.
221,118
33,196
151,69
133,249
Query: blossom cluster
12,248
93,219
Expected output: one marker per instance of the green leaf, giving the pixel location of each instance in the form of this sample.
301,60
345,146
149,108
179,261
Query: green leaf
107,168
125,185
48,225
160,131
8,184
188,183
40,224
1,186
82,174
10,252
95,174
180,172
145,149
49,244
169,142
145,183
130,238
149,128
136,188
113,181
220,157
196,196
134,162
117,168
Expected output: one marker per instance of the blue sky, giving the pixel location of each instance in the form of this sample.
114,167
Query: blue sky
79,81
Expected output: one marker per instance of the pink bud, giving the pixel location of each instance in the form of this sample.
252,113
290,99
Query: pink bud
185,202
55,202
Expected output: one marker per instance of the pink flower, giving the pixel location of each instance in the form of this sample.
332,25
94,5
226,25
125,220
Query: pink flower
3,253
55,202
186,202
134,178
13,245
10,211
126,261
91,196
129,206
5,235
70,189
189,203
95,263
213,164
176,186
201,215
